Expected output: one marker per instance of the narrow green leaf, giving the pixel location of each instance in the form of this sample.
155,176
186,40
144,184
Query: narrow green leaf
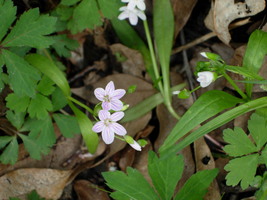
17,103
197,185
16,118
90,137
4,140
39,107
8,14
22,76
244,72
68,125
206,106
245,174
30,30
10,154
165,173
41,131
85,15
48,68
216,123
239,143
137,187
58,99
257,126
45,86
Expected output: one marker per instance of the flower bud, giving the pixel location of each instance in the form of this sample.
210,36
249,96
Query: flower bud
206,78
184,94
211,56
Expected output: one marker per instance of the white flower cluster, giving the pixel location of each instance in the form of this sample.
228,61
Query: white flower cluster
133,10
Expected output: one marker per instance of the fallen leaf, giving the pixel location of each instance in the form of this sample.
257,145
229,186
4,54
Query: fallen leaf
49,183
222,13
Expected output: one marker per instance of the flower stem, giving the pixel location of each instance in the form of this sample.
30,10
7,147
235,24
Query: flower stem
230,80
120,138
81,104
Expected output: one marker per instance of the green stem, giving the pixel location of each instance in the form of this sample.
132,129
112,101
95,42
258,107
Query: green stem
81,104
230,80
153,58
120,138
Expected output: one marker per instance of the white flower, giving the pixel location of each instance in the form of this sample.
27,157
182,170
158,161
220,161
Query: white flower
136,146
132,14
204,54
108,125
140,4
205,78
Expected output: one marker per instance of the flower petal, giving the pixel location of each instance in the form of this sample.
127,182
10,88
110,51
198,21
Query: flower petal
125,1
106,105
99,93
110,88
119,93
131,5
103,114
119,129
98,127
133,18
116,104
123,15
117,116
107,135
141,5
136,146
141,15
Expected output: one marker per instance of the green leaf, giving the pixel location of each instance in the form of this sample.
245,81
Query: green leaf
10,153
137,187
68,125
69,2
34,196
4,140
30,30
263,156
58,99
22,77
255,53
45,86
16,118
206,106
110,9
244,72
47,67
39,107
17,103
242,169
90,137
36,150
239,143
8,13
85,15
64,12
257,126
63,45
165,173
197,185
42,131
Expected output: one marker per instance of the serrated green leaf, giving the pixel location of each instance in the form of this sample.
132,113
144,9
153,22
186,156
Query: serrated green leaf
16,118
48,67
10,153
34,196
197,185
8,14
206,106
263,156
58,100
85,15
17,103
64,12
257,126
110,9
63,45
35,149
90,137
239,143
39,107
165,173
30,30
22,76
46,86
4,140
68,125
242,169
42,131
137,187
69,2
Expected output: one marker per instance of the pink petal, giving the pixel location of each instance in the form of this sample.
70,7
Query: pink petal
110,88
106,105
119,129
103,114
98,127
117,116
99,93
107,135
119,93
116,104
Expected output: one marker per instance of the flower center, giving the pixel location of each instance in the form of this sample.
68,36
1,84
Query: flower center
107,98
107,122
